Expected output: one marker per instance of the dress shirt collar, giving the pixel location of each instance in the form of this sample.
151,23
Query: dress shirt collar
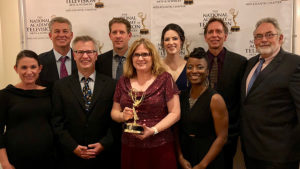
58,55
92,76
115,55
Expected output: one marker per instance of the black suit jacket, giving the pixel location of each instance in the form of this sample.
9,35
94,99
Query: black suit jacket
104,63
73,126
49,73
228,87
271,110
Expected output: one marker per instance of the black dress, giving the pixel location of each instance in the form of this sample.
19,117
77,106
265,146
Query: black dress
196,129
28,137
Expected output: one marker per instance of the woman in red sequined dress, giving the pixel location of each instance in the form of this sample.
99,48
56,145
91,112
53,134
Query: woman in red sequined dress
158,111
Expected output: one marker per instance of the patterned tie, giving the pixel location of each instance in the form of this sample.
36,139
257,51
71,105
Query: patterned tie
255,74
120,67
63,69
214,73
87,93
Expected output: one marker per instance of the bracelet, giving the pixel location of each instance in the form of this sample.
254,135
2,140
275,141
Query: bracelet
155,130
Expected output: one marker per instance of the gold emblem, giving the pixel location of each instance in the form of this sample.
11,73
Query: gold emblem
234,14
144,30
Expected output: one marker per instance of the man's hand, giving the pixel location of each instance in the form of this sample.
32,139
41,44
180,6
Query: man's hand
94,149
81,151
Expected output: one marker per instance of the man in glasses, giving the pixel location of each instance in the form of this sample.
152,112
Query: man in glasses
58,62
271,102
81,111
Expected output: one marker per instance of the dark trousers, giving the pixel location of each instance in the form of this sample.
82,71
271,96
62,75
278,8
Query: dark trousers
252,163
229,150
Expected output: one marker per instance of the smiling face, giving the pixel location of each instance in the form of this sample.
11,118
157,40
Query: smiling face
61,35
85,55
172,42
215,36
142,59
119,36
28,70
196,70
267,46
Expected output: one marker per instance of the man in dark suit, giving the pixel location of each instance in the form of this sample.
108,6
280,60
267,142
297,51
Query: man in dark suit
58,62
81,111
111,64
271,102
119,33
226,72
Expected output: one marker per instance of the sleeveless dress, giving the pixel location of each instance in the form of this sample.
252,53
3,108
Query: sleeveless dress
182,81
196,129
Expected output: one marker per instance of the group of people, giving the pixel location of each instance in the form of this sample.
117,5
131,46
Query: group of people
69,108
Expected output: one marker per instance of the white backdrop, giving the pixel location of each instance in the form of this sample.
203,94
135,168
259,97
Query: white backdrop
87,19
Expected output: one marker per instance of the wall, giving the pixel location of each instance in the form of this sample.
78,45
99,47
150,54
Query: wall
10,41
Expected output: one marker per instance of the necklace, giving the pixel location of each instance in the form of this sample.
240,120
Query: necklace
192,101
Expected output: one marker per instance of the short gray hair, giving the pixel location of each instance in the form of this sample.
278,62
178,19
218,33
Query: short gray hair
272,21
84,38
59,20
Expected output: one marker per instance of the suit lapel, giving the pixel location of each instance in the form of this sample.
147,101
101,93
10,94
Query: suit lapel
251,64
267,70
98,88
225,71
76,89
52,66
73,64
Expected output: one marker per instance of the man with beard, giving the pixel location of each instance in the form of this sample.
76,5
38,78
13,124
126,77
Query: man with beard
59,61
270,111
226,70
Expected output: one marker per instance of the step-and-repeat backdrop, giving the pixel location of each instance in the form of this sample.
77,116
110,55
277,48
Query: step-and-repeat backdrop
149,17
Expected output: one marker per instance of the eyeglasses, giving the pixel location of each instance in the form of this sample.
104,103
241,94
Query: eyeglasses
268,35
141,54
88,52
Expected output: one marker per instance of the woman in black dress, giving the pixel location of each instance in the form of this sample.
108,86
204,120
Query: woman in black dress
26,139
204,119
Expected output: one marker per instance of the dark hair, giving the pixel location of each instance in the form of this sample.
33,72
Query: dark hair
120,20
176,28
211,20
29,54
199,53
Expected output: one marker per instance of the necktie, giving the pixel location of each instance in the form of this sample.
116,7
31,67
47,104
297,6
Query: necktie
87,93
63,69
255,74
214,73
120,67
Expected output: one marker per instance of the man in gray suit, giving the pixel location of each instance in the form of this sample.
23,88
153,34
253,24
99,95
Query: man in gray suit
271,102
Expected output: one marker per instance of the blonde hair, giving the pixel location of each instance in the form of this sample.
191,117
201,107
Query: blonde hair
157,67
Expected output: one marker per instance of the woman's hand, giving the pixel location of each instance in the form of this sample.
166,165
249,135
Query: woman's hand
147,133
127,114
7,166
185,164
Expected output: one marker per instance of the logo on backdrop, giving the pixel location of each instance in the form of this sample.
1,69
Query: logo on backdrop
99,4
234,14
37,27
144,30
83,5
135,24
188,2
216,14
251,50
187,48
100,46
163,4
264,2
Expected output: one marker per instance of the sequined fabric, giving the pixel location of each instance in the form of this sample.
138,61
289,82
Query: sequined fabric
151,111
